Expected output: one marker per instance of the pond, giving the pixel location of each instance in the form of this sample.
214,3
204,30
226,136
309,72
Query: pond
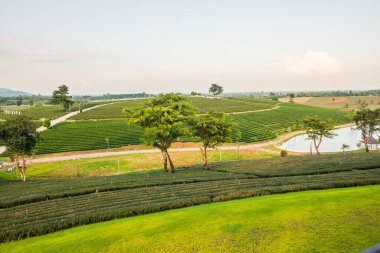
346,135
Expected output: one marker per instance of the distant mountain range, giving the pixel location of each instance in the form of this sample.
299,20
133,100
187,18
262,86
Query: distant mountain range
4,92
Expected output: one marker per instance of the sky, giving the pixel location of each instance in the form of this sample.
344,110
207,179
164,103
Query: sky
154,46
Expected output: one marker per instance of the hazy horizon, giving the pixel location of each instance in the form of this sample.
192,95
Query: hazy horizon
98,47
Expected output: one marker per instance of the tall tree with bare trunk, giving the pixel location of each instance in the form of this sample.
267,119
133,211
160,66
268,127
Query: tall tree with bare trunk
213,129
368,122
163,119
21,138
317,128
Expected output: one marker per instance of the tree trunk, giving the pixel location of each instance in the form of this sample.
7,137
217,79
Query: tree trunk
205,159
165,161
172,168
316,147
366,145
23,169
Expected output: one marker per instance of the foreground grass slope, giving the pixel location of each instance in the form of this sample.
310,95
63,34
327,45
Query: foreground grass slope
338,220
255,126
38,207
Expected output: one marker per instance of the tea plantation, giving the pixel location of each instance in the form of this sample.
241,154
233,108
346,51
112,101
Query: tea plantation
254,126
262,125
38,207
114,111
88,135
50,111
293,222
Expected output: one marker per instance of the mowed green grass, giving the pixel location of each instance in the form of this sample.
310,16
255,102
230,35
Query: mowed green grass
337,220
115,165
254,126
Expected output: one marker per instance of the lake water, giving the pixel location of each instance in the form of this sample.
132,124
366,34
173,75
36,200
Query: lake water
346,135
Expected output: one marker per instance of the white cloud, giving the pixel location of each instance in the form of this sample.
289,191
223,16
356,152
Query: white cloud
311,63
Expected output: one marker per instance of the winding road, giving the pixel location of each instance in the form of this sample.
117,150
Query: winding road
145,151
59,120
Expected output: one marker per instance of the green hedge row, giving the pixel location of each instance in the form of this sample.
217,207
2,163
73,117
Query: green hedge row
52,215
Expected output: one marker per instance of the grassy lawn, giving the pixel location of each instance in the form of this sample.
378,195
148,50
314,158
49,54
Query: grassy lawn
114,165
337,220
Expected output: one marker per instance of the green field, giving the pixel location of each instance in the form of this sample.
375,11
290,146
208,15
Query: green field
230,105
254,126
49,111
88,135
91,135
116,165
338,220
37,207
114,111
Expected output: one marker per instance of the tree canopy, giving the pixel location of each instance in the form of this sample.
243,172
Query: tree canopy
163,119
19,100
213,129
317,128
215,89
21,138
368,122
61,96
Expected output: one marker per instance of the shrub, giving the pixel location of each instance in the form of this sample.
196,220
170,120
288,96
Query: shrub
284,153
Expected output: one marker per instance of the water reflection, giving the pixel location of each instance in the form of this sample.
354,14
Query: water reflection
346,135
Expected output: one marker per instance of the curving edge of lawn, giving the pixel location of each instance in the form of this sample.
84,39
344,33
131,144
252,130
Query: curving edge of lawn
336,220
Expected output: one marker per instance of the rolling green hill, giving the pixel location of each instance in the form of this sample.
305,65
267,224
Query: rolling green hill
255,126
301,222
49,111
50,205
114,111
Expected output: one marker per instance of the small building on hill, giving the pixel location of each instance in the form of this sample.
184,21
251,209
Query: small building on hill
372,142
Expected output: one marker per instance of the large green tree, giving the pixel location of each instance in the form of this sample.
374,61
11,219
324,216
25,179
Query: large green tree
61,96
163,119
19,100
215,89
213,129
20,137
317,128
368,122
